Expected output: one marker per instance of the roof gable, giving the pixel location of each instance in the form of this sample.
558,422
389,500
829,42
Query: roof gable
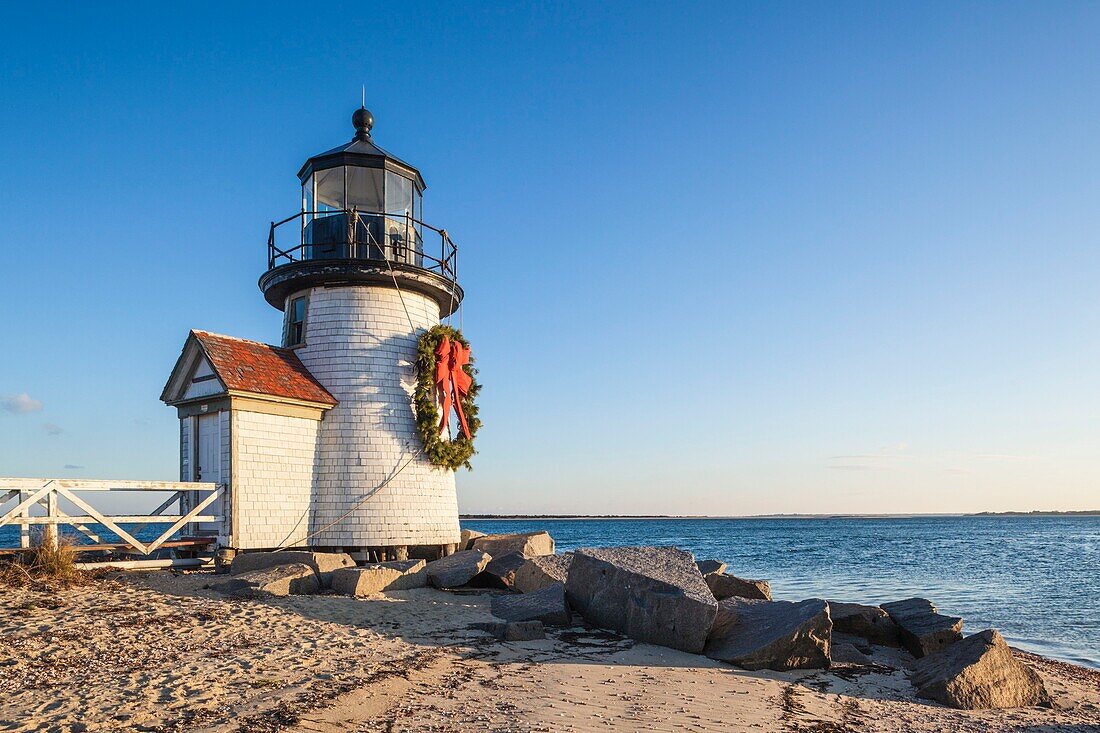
242,366
202,381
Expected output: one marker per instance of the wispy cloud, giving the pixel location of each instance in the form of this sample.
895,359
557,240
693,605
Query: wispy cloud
52,429
881,460
1008,457
72,467
19,404
898,457
890,451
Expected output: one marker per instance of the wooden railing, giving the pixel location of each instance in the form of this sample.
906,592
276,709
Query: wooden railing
45,493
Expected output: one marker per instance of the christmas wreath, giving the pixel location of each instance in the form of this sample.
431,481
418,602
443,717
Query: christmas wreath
445,380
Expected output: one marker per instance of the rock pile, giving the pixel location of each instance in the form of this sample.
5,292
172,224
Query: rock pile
662,595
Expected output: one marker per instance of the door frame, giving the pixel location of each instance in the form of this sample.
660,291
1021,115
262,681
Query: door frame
220,505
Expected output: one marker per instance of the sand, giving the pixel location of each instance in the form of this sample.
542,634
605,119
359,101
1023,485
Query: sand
159,652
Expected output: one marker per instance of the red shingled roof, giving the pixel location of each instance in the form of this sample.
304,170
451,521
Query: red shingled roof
249,366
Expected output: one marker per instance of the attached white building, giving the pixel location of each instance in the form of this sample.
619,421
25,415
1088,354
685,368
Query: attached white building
316,439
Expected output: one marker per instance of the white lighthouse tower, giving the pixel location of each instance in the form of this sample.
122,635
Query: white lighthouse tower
319,444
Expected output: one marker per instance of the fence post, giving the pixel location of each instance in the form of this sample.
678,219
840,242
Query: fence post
24,529
53,532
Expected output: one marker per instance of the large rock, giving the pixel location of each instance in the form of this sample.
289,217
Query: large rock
547,605
757,634
323,563
280,580
527,543
706,567
922,630
500,572
457,569
976,673
652,594
869,622
379,577
724,585
467,538
539,572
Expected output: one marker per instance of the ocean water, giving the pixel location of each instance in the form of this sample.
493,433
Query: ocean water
9,535
1035,579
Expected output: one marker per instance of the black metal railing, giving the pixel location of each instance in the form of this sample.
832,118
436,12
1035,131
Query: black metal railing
350,234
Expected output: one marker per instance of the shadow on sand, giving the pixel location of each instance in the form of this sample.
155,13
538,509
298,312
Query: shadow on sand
433,618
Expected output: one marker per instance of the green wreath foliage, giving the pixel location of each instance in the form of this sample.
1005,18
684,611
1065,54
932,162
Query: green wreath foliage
457,452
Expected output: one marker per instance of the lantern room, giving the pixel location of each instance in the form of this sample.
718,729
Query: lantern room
361,219
358,201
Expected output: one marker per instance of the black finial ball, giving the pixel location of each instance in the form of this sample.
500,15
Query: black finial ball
363,121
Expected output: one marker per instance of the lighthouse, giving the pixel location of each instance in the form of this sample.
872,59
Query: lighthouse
316,438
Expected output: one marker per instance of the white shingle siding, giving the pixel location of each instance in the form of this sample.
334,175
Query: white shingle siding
223,507
360,345
185,449
274,469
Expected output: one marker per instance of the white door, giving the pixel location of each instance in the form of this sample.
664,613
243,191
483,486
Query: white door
208,464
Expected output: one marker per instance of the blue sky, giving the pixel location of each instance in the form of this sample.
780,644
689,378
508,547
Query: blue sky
730,258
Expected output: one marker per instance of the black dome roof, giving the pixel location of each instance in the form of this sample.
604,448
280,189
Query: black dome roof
361,151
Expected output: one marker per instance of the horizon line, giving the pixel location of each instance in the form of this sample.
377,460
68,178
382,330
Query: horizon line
902,515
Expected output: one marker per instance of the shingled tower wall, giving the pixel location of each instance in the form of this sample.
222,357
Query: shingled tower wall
361,346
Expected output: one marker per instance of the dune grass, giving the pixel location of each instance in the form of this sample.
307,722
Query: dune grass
44,565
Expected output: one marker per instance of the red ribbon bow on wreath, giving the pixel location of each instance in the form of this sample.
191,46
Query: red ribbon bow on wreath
452,381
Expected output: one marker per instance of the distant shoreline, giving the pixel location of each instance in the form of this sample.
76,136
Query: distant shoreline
482,517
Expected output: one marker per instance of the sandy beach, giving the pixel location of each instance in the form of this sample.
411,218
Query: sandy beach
162,652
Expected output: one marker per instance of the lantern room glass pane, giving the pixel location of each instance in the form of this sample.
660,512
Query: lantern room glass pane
365,189
398,195
325,235
307,206
307,195
329,189
400,241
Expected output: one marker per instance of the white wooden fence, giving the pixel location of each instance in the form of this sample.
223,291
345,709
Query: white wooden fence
27,493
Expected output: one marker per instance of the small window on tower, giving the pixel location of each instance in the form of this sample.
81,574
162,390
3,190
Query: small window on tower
296,322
